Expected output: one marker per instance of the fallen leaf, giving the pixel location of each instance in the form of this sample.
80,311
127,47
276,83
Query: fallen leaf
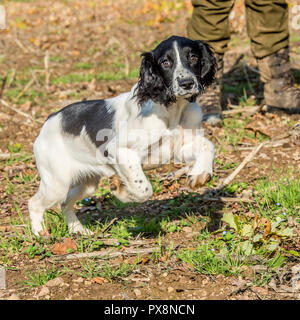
45,233
5,228
65,247
144,260
267,227
164,258
99,280
228,217
255,222
247,230
132,260
75,53
287,232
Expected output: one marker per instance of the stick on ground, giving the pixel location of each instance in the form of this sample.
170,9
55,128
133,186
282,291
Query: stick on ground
249,157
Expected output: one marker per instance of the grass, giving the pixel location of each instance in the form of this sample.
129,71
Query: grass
157,185
280,197
235,131
41,277
295,38
56,59
91,269
220,252
87,77
204,259
83,65
56,224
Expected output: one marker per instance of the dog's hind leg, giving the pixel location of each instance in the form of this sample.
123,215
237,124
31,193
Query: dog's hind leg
77,192
48,195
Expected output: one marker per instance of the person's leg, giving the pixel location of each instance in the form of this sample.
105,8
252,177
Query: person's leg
210,22
267,26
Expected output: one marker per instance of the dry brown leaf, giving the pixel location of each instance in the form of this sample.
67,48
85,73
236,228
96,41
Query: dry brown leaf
119,259
5,228
65,247
25,106
144,260
99,280
132,260
255,222
45,233
164,258
75,53
267,227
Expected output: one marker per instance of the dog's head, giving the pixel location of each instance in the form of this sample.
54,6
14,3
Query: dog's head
177,67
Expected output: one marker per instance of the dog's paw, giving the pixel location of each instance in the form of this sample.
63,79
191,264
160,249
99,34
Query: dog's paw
77,227
119,190
115,183
198,180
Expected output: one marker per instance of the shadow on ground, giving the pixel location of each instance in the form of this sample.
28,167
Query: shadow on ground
149,218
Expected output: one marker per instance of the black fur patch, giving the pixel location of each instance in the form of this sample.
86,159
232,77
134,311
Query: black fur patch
92,114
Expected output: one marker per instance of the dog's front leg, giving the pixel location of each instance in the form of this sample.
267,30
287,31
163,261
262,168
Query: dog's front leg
134,184
199,151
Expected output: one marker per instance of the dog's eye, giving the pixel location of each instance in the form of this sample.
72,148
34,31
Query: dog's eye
166,63
193,58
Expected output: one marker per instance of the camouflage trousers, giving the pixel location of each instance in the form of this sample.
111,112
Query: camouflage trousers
267,24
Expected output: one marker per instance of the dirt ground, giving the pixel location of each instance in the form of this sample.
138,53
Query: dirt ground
53,55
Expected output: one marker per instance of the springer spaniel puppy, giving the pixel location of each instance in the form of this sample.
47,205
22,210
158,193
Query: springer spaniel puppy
156,122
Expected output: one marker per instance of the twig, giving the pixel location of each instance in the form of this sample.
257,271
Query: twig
3,85
241,110
20,45
47,73
125,53
102,254
247,77
13,119
109,225
296,125
28,85
252,69
6,156
235,64
180,172
11,227
136,279
12,77
256,293
227,199
19,111
34,77
243,287
249,157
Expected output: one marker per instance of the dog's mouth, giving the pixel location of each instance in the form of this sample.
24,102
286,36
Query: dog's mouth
188,93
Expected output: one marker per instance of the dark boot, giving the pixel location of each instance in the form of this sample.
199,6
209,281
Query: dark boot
279,89
210,100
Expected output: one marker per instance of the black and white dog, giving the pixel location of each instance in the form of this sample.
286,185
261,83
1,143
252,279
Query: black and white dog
156,122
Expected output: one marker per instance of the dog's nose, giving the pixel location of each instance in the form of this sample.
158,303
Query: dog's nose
186,83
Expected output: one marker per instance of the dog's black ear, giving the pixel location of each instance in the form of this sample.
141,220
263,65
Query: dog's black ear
208,64
151,84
